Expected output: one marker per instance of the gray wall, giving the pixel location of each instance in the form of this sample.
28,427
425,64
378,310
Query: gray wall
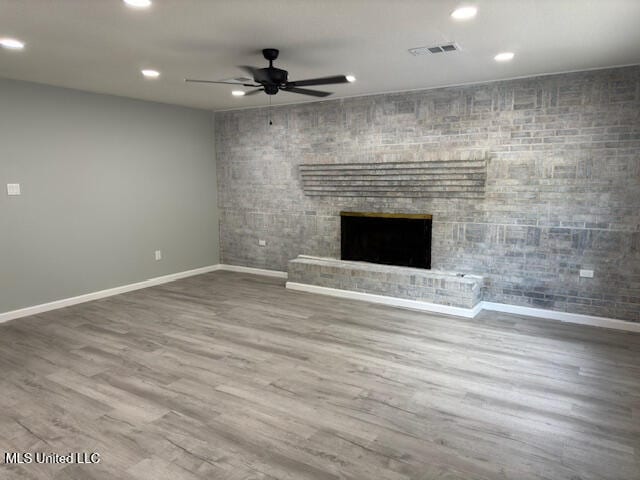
105,182
563,183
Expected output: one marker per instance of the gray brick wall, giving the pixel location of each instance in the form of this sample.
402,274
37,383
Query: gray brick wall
562,188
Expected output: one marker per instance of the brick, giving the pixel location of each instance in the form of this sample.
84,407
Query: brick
562,183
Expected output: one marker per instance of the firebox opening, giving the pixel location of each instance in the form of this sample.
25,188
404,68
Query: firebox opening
387,238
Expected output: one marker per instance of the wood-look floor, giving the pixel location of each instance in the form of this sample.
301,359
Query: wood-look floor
230,376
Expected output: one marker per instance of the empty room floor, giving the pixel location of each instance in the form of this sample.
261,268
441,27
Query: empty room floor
231,376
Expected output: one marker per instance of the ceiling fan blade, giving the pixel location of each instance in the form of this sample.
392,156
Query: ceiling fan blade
256,73
253,92
306,91
192,80
319,81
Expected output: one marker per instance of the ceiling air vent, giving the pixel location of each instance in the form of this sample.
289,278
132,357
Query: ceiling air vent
435,49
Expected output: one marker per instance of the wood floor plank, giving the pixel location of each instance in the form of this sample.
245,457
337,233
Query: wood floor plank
230,376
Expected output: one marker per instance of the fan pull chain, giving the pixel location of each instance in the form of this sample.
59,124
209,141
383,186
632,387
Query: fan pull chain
270,122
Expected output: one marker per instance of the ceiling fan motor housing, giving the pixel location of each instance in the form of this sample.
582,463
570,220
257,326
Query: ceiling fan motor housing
271,77
276,75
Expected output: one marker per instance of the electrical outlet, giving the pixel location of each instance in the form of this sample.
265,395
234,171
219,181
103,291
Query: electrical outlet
262,243
158,254
13,189
586,273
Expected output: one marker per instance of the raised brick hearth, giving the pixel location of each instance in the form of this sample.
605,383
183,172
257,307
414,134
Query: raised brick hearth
430,286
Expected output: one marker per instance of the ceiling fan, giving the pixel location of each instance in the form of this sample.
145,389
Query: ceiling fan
271,80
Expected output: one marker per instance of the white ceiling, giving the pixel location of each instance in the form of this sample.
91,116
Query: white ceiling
101,45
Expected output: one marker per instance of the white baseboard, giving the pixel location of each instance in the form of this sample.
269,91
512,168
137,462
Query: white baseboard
256,271
87,297
567,317
382,299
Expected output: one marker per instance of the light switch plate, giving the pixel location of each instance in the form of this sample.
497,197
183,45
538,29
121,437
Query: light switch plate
586,273
13,189
262,243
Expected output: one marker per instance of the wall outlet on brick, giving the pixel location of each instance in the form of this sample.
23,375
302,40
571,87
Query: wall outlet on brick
262,243
586,273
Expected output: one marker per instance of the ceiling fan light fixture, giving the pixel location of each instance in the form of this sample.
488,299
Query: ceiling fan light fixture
464,13
351,78
138,3
237,93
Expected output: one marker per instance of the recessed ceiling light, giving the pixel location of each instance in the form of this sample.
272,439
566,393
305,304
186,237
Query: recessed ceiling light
151,73
138,3
11,44
464,13
351,78
237,93
504,57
